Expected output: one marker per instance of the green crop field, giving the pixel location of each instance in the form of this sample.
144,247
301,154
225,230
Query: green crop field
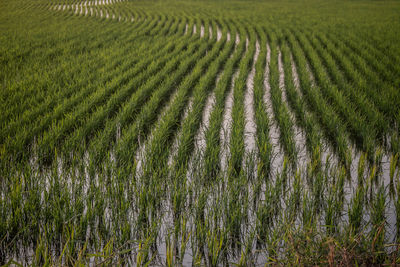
199,132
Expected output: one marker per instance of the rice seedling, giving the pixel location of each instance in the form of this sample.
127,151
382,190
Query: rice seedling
201,133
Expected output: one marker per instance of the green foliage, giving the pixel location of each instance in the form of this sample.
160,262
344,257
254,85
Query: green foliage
103,102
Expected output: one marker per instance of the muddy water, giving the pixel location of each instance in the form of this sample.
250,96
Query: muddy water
277,153
225,133
210,102
201,31
296,80
82,7
219,34
194,29
227,124
250,125
299,135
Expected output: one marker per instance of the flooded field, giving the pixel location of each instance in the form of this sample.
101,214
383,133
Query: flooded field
199,133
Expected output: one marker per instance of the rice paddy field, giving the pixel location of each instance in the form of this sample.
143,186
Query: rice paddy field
199,133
